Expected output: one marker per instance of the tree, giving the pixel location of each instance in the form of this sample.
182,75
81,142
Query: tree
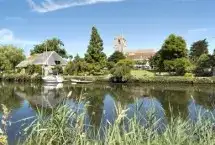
77,67
198,48
204,65
10,56
179,65
116,56
95,55
174,47
53,44
122,70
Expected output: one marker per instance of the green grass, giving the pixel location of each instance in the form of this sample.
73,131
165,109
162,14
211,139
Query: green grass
142,73
58,130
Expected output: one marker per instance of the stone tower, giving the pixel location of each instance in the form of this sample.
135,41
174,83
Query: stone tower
120,44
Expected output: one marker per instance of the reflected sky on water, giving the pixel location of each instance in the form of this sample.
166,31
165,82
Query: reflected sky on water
103,101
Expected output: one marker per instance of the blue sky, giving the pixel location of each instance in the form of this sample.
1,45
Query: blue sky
144,23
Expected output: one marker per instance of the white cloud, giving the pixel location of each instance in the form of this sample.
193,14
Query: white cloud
7,37
53,5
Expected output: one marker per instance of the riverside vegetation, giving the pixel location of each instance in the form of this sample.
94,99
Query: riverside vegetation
65,126
173,58
143,114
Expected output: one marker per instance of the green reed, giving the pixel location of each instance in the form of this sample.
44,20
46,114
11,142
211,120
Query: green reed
66,126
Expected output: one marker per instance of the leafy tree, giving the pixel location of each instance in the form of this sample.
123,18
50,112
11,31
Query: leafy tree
174,47
10,56
179,65
31,69
198,48
116,56
77,67
156,62
53,44
95,55
204,65
69,68
122,70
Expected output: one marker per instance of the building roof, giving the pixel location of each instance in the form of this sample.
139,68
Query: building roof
141,54
45,58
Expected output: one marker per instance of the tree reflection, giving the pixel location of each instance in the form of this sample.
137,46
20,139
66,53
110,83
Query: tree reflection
205,98
9,98
174,102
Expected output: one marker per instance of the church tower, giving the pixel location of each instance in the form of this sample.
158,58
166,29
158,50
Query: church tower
120,44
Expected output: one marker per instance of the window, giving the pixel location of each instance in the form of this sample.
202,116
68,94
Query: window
57,62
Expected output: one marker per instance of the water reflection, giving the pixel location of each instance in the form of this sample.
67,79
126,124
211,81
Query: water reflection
169,101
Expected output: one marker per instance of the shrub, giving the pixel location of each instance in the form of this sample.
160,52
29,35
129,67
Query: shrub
122,71
188,75
57,70
179,65
31,69
204,66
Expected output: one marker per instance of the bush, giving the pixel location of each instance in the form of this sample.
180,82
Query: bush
69,69
57,70
188,75
32,69
204,66
122,71
179,65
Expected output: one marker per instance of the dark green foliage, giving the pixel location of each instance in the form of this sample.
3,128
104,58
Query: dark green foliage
32,69
198,48
10,56
20,78
204,65
173,47
116,56
53,44
156,62
179,65
110,65
57,70
69,69
172,56
77,67
143,62
122,71
95,55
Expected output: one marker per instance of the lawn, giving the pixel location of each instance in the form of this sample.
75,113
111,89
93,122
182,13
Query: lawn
142,73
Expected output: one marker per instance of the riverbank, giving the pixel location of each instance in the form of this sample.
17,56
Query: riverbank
20,78
155,79
107,79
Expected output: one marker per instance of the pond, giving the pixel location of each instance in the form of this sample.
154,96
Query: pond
169,100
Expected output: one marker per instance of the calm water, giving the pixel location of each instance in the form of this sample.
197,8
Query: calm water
169,100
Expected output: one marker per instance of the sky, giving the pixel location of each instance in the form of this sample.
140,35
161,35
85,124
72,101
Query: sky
145,24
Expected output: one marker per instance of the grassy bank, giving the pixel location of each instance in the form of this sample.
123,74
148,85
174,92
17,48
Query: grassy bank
136,77
65,126
20,78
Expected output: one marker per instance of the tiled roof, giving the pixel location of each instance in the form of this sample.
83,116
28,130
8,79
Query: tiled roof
141,54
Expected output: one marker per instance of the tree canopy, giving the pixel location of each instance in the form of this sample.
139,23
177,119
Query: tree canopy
198,48
10,56
116,57
174,47
95,55
53,44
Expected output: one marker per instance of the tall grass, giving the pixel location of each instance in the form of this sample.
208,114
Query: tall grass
66,126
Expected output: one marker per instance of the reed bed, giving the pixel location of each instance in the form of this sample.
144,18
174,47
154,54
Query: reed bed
65,126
